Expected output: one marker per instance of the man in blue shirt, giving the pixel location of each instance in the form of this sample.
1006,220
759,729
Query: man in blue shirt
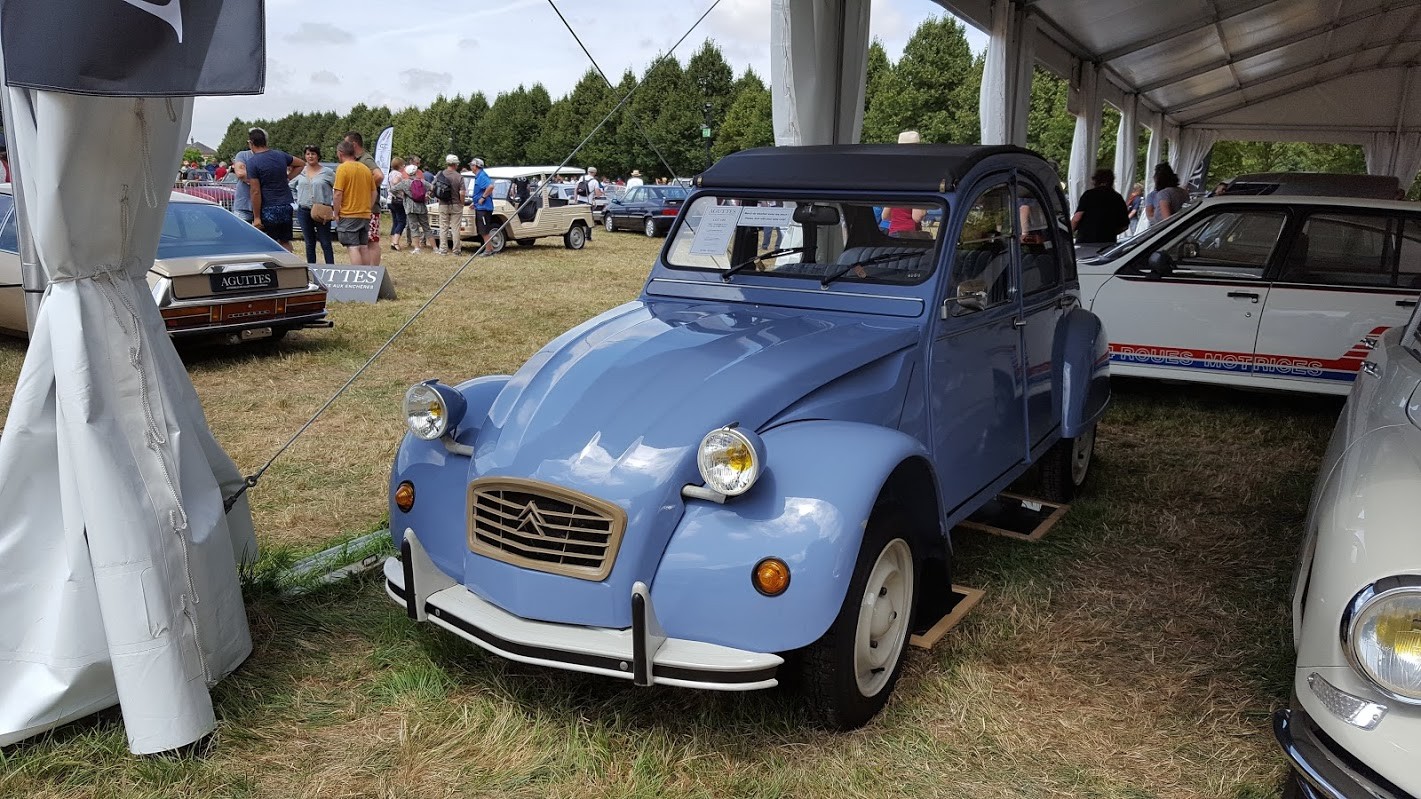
482,201
269,173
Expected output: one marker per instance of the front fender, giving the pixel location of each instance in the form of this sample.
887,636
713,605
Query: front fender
809,508
1081,361
440,478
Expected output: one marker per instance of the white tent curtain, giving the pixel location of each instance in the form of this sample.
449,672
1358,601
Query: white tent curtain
1191,145
1084,102
118,566
1398,156
1005,98
1127,144
818,58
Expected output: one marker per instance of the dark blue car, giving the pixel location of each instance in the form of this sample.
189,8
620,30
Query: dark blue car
650,209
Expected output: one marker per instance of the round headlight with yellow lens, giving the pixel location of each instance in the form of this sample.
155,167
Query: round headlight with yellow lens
730,460
1384,636
432,410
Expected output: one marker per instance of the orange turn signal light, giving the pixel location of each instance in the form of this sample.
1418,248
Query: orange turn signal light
404,496
770,576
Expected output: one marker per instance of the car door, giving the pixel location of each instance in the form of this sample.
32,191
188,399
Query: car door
1188,306
12,296
976,380
1347,276
1043,243
624,215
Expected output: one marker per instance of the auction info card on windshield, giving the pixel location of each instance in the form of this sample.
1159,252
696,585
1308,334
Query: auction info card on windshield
716,228
766,216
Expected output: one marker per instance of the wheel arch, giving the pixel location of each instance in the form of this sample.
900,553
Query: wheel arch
1081,370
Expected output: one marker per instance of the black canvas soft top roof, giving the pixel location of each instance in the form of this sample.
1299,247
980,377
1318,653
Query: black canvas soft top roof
876,167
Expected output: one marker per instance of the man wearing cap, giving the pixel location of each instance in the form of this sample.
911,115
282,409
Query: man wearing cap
482,201
589,188
451,211
635,179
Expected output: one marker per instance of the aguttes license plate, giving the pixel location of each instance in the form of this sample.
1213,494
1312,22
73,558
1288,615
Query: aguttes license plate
243,280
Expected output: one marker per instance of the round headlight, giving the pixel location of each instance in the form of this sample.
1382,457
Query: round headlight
730,460
427,411
1385,639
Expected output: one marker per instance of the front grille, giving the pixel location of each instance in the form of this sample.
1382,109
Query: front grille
543,527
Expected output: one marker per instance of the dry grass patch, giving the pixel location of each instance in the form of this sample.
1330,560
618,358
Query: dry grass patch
1136,652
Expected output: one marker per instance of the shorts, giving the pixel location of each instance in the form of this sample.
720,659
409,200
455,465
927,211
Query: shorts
374,229
484,221
353,231
278,231
245,216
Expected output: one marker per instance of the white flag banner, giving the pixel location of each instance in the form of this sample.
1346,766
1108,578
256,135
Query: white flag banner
382,151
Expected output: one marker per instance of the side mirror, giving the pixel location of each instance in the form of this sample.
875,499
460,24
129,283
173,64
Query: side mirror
1160,263
969,299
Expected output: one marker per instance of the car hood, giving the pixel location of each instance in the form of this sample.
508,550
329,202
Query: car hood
617,407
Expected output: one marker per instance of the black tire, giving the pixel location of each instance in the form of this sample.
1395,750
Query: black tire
575,237
828,678
607,223
525,242
650,228
497,241
1066,467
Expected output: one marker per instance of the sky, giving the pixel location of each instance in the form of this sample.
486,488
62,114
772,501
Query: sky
329,56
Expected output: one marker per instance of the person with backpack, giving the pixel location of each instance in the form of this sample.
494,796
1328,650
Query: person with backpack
589,188
448,190
417,208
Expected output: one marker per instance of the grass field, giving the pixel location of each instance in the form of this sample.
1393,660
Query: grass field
1136,652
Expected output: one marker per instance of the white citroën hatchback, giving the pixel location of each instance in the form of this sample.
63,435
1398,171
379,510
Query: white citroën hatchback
1280,292
1354,728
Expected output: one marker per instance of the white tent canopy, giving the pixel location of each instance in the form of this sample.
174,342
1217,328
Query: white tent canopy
1193,72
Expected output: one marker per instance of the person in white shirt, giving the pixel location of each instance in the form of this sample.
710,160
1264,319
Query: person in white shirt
589,188
635,179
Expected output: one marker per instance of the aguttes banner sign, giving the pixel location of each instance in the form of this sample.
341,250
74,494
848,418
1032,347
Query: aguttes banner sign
135,48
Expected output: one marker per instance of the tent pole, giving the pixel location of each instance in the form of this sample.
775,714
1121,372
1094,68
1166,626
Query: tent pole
32,276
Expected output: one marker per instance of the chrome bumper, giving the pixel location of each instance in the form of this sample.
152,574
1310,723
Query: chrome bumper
643,653
1322,770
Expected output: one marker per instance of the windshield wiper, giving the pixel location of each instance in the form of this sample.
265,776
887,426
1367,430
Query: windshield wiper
746,264
877,259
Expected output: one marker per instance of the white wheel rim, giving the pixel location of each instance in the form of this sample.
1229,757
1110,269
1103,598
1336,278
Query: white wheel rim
884,611
576,237
608,222
1081,450
650,228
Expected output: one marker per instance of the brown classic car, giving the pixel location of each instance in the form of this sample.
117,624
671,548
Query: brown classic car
215,276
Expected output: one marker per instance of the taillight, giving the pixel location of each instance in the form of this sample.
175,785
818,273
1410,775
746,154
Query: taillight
187,316
669,211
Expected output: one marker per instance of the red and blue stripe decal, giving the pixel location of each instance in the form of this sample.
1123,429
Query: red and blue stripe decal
1262,364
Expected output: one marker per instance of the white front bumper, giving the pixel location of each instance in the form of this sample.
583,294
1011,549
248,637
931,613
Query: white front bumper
593,650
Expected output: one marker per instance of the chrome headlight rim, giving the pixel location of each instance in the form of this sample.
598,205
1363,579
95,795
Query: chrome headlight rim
1373,594
746,438
450,403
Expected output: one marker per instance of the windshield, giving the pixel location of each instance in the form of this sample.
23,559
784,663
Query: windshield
199,230
825,240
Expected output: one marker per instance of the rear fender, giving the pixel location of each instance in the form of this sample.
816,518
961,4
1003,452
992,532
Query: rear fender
1082,370
810,508
440,478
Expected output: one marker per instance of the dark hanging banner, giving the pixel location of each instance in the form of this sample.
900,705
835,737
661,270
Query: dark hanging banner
135,48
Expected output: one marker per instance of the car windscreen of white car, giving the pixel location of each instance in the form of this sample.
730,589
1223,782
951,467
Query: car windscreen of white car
827,240
198,230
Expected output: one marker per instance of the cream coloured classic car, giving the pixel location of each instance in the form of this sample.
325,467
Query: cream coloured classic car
215,275
550,213
1354,728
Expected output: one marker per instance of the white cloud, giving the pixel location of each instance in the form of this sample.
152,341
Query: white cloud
460,47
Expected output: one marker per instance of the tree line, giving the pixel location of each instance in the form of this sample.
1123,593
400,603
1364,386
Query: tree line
932,88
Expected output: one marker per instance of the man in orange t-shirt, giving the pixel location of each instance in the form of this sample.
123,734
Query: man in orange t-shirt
355,192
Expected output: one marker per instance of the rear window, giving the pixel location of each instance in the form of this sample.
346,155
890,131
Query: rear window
198,230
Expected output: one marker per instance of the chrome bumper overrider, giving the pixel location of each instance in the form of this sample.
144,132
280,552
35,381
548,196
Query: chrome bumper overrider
1321,770
641,653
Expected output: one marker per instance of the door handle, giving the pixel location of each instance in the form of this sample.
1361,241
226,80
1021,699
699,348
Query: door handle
1371,369
1018,322
1406,303
1239,295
